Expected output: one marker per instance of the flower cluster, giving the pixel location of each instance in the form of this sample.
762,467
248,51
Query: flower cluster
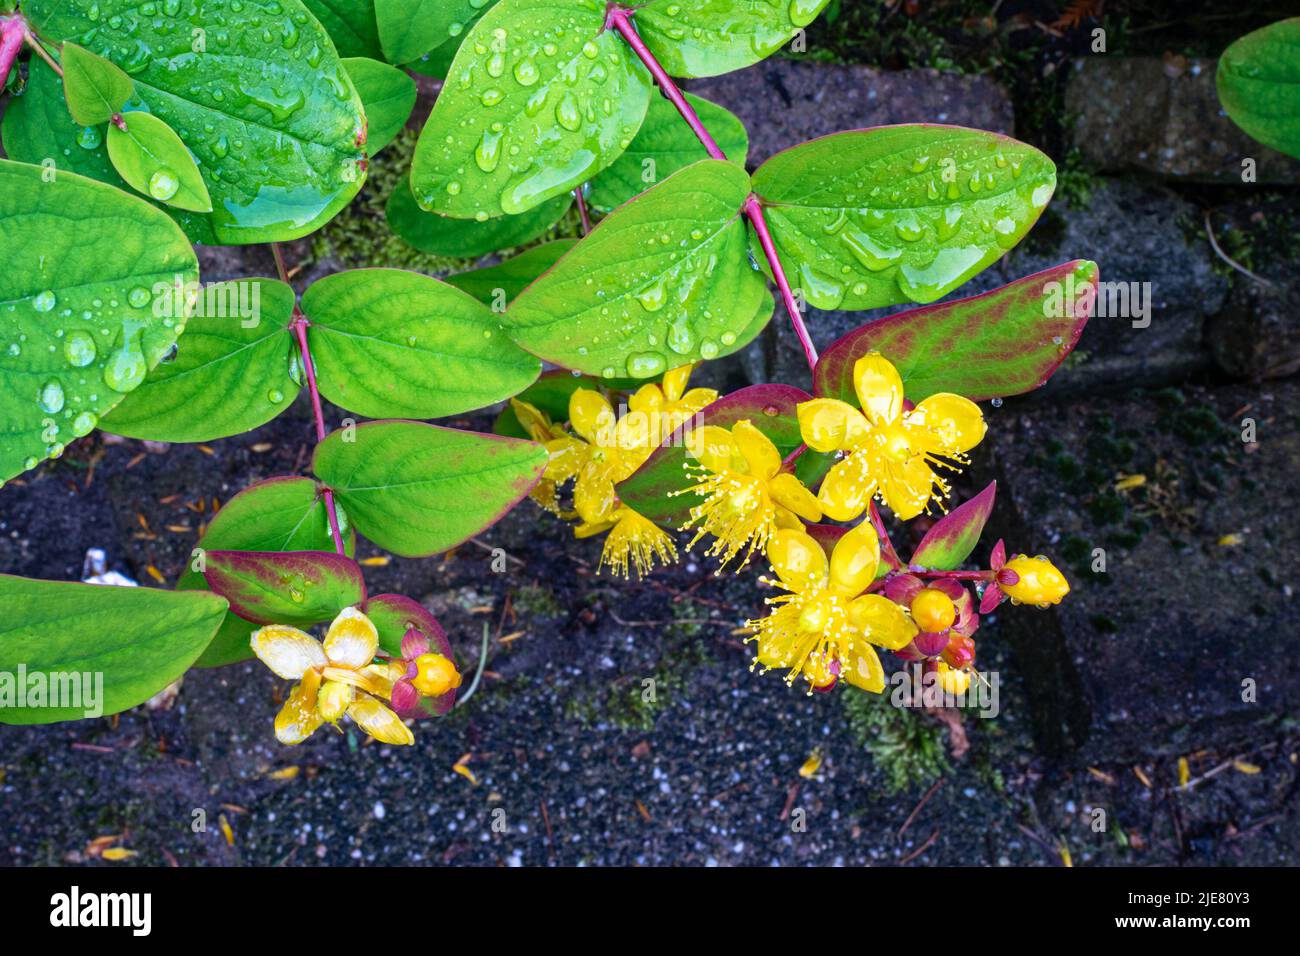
847,594
347,675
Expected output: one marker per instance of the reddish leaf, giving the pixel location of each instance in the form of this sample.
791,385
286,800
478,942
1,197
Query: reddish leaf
285,587
953,537
771,408
393,615
999,343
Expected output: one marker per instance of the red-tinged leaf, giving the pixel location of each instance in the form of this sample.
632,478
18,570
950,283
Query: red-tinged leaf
954,536
417,489
998,556
993,596
394,615
771,408
1000,343
285,587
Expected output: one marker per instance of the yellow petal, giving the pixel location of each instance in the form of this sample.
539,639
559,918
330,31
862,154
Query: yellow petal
380,722
797,559
827,424
299,718
639,429
646,398
351,640
908,494
534,421
862,669
593,496
715,449
675,382
785,518
287,651
757,449
568,455
788,491
844,494
881,621
697,399
957,421
879,387
854,559
591,416
334,699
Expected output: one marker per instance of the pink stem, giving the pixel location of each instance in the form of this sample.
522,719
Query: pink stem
299,326
13,30
620,19
954,575
582,210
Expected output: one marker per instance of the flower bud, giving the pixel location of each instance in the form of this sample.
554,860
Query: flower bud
435,675
932,610
1037,581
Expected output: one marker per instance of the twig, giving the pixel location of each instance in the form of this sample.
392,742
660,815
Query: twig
1214,244
920,849
39,49
582,210
917,809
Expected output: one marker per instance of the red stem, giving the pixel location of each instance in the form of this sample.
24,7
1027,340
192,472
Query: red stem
954,575
582,210
299,326
13,30
620,19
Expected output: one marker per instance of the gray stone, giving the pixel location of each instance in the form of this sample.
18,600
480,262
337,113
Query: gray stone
1137,234
786,102
1196,604
1134,232
1163,116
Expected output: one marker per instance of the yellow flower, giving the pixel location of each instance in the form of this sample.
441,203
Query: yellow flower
826,626
1037,581
557,441
336,678
891,452
746,495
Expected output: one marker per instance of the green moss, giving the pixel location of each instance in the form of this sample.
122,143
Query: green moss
906,746
1075,181
534,600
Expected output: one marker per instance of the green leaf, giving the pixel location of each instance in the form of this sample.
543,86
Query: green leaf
351,25
496,286
417,489
387,96
893,214
276,135
437,61
83,265
710,37
279,514
114,647
443,236
1004,342
389,343
662,281
1258,79
411,28
234,369
275,587
664,145
148,154
953,537
95,88
539,99
651,489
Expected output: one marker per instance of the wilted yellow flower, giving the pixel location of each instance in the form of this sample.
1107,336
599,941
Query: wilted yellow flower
336,678
826,626
747,496
891,453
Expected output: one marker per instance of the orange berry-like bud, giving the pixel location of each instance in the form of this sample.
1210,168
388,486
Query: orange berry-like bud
1037,581
932,610
435,675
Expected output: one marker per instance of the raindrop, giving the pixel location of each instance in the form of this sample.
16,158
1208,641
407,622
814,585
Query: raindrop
163,184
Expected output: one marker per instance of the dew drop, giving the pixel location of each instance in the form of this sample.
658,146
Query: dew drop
163,184
44,301
52,397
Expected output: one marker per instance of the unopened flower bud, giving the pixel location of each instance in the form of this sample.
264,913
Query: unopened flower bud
1037,581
